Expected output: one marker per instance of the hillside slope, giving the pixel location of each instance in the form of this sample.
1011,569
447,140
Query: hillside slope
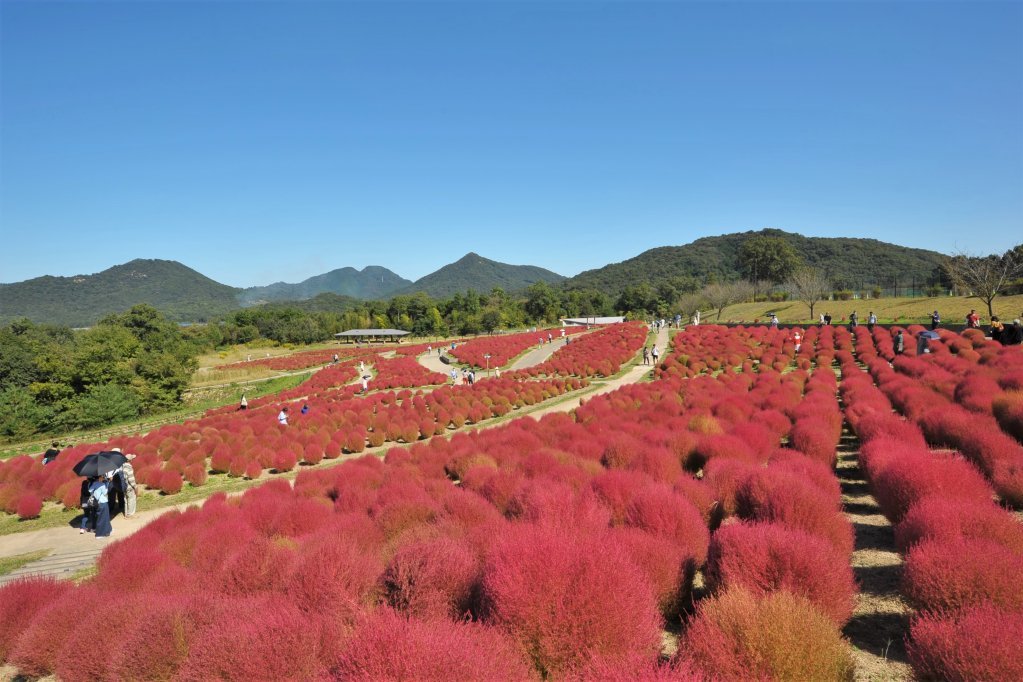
181,293
372,282
473,271
849,262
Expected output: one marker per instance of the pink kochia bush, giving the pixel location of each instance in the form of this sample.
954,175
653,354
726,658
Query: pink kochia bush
955,574
566,599
778,636
389,647
767,557
976,643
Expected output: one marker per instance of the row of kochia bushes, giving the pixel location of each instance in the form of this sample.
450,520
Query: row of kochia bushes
564,551
340,420
501,349
963,552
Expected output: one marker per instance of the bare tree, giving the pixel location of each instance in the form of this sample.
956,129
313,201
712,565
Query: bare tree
720,296
689,304
983,277
809,285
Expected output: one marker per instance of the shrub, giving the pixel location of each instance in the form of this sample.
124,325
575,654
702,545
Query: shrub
767,557
196,474
35,652
772,495
911,477
284,460
934,518
29,505
171,482
780,636
433,579
251,639
659,510
20,601
668,568
976,643
389,647
568,598
960,573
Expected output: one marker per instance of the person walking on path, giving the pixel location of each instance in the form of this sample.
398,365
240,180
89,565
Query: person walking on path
654,353
646,355
853,320
51,453
899,343
871,321
365,383
935,320
130,486
827,319
282,416
244,404
100,490
774,320
972,319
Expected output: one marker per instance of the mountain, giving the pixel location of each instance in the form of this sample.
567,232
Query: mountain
372,282
849,262
473,271
179,292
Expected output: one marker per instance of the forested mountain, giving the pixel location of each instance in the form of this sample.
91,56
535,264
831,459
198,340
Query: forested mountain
849,262
180,293
372,282
473,271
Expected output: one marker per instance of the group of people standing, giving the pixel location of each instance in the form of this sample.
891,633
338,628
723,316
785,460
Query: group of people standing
102,497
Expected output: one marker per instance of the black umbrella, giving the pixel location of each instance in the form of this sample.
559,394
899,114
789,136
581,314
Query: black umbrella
99,463
445,360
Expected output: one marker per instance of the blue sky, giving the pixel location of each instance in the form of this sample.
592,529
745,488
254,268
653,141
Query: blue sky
258,142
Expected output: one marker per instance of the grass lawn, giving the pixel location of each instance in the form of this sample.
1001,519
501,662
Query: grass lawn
953,310
9,564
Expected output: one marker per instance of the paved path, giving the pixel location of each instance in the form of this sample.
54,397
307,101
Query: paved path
72,552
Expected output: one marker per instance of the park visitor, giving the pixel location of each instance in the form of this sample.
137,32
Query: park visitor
282,416
88,506
244,404
996,330
900,343
972,319
853,320
871,321
646,355
827,319
130,486
935,320
51,453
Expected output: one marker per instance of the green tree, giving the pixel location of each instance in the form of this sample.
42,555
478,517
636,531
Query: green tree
767,259
542,302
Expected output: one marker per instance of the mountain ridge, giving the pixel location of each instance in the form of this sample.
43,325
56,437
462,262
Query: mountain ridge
473,271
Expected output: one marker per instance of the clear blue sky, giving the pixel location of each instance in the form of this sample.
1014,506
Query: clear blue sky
258,142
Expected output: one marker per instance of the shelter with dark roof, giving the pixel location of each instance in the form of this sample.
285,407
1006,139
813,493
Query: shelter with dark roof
360,335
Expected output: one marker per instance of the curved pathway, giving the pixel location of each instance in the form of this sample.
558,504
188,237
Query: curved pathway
72,552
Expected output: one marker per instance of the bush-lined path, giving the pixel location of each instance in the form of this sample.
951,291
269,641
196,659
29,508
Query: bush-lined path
71,552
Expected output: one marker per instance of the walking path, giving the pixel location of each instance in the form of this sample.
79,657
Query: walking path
72,552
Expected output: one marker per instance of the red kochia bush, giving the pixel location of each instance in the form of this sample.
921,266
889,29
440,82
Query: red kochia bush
389,647
20,601
934,518
568,598
780,636
28,506
433,579
950,575
915,475
660,510
767,557
977,643
773,495
255,639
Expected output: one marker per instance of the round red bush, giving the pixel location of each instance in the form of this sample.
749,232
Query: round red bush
568,598
389,647
20,601
768,557
433,579
976,643
935,518
28,506
960,573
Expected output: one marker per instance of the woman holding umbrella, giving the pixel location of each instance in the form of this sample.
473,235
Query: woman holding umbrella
99,467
